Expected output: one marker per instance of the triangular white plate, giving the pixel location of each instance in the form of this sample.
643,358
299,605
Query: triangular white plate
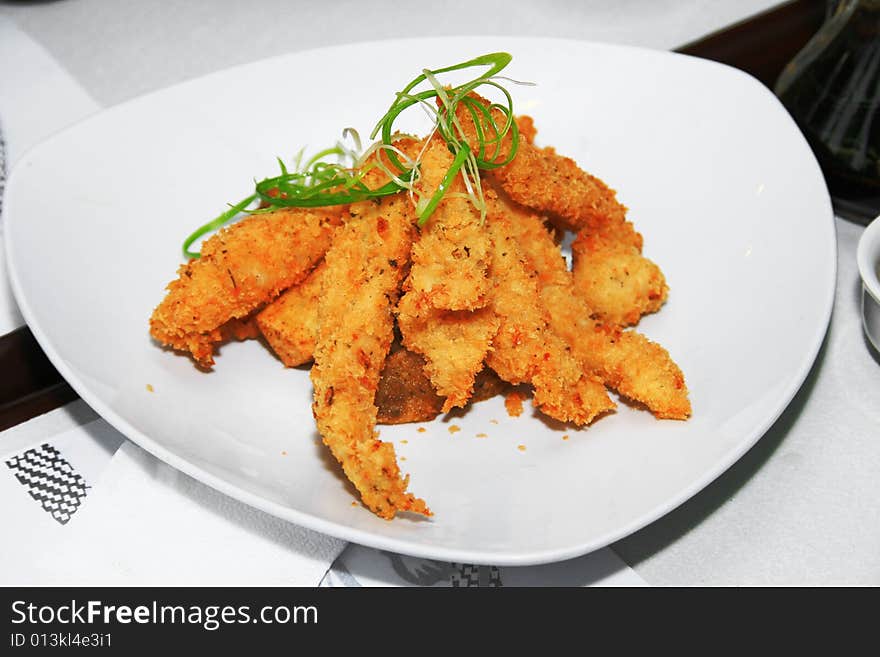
718,179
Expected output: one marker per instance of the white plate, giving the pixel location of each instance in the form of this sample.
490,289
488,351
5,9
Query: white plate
717,178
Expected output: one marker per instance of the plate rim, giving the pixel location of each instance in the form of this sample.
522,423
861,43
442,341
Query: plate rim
367,537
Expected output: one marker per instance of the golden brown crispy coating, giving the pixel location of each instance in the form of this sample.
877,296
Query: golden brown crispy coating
526,126
639,369
550,183
241,268
290,323
453,342
625,360
450,259
614,279
361,280
404,393
240,329
542,179
525,349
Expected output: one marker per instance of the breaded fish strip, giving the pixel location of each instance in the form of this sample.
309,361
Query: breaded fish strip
525,349
614,279
361,280
450,260
453,342
542,179
290,323
626,361
241,268
637,368
545,181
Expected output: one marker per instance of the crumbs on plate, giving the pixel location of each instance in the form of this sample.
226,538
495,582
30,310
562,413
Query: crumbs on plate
513,402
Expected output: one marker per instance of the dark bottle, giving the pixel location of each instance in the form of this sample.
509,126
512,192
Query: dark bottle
832,89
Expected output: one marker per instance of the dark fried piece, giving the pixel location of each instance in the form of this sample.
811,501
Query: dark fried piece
405,393
487,385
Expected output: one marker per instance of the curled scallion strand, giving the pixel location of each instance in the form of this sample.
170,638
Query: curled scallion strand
319,183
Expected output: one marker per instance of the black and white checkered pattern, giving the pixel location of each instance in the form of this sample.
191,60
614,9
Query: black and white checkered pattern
467,575
50,480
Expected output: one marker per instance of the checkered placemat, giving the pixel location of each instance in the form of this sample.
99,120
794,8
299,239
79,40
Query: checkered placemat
50,480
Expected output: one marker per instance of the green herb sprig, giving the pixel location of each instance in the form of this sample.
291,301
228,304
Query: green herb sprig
320,183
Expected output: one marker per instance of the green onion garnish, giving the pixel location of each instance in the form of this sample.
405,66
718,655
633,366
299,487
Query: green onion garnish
214,224
320,183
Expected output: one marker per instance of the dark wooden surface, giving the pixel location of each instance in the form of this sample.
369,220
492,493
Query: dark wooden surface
761,45
29,384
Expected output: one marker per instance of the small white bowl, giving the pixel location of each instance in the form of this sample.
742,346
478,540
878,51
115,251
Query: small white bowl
868,256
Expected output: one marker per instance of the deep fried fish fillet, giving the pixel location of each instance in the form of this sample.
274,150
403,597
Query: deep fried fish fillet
241,268
290,323
450,259
541,179
626,361
639,369
614,279
525,349
361,280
